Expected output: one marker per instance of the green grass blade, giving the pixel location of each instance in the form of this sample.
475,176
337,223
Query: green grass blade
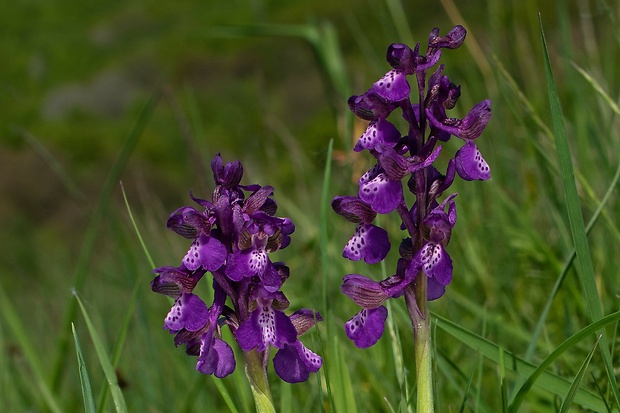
470,382
556,287
568,400
338,382
17,331
57,169
104,360
93,229
135,227
536,374
585,268
599,89
503,381
567,344
87,391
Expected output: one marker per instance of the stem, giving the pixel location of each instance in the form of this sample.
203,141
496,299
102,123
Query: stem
259,383
420,322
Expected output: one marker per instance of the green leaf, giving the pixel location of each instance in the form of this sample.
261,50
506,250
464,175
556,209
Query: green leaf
87,391
568,400
104,360
585,268
536,374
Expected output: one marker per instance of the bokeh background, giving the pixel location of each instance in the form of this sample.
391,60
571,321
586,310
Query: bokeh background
266,82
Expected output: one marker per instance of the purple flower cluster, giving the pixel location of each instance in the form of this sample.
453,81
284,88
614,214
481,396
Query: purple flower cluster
232,236
428,222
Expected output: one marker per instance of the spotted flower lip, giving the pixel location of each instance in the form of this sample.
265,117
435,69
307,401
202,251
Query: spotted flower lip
470,164
366,327
379,132
266,326
379,191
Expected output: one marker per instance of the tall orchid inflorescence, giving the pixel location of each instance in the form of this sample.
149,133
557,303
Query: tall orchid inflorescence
232,236
424,268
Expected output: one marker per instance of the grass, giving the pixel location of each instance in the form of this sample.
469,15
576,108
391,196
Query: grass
530,321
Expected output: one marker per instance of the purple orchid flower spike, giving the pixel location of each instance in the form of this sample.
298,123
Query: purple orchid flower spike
233,236
424,267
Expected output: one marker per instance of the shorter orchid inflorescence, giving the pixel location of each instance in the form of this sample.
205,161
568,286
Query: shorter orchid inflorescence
232,236
424,268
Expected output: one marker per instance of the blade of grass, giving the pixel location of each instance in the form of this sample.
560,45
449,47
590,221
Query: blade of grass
568,343
124,326
536,374
568,400
17,331
585,268
556,287
55,166
468,389
135,227
339,390
503,380
104,360
87,391
92,231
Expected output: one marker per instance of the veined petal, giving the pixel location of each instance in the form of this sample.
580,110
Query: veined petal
366,327
393,86
363,291
304,319
470,164
369,243
353,209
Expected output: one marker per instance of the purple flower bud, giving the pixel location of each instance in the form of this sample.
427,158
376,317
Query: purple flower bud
228,175
401,57
452,40
468,128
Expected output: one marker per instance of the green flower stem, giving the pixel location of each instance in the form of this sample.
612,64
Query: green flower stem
259,383
420,321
